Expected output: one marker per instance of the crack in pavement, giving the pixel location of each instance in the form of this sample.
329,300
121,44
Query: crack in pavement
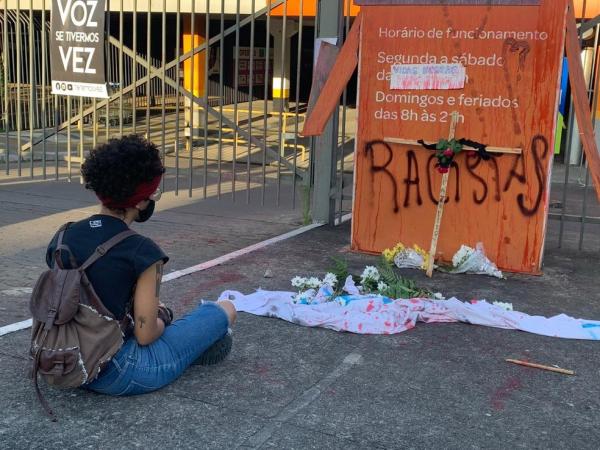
300,402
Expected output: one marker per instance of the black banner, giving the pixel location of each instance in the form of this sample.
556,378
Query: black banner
77,48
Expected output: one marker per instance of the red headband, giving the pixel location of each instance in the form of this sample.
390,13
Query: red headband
142,192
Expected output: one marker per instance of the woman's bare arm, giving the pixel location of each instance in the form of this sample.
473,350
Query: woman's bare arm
148,327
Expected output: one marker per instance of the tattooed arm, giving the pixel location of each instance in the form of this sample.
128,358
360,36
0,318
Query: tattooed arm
148,327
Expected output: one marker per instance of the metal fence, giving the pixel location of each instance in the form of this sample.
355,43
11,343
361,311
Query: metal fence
574,212
234,140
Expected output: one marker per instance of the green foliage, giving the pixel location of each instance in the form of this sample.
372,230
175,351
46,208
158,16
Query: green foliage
398,286
370,285
306,216
340,270
445,153
452,144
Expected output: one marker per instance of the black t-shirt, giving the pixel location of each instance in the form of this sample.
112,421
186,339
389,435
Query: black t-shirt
115,274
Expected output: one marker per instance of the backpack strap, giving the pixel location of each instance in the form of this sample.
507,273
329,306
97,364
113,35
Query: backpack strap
34,376
103,248
60,247
100,251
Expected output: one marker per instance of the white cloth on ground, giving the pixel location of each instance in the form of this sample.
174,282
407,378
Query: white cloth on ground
366,314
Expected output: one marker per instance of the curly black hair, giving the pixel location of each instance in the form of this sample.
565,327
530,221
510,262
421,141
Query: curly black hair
115,169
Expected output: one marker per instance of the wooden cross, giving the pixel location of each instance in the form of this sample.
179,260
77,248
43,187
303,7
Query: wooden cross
443,188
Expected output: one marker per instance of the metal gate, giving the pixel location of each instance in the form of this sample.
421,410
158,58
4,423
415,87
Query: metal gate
574,215
237,140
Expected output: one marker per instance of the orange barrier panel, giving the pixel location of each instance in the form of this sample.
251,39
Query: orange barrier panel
592,8
512,56
309,8
329,97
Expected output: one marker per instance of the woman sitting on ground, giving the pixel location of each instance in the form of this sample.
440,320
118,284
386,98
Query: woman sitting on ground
125,175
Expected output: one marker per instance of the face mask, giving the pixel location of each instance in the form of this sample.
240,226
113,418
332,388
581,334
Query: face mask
145,214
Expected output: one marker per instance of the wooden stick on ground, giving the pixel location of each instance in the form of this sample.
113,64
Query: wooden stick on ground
541,366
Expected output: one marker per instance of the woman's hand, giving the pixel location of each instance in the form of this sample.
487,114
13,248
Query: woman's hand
148,327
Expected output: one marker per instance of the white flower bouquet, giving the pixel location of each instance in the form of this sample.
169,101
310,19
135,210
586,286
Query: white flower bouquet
314,290
381,280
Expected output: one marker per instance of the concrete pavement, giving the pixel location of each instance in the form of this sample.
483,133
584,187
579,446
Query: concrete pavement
290,387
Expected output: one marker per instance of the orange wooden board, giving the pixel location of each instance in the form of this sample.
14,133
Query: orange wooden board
512,56
587,8
329,96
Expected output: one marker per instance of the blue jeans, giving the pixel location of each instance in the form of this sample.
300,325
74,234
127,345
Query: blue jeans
138,369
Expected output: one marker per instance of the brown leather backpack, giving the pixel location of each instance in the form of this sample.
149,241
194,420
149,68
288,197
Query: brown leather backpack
73,333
